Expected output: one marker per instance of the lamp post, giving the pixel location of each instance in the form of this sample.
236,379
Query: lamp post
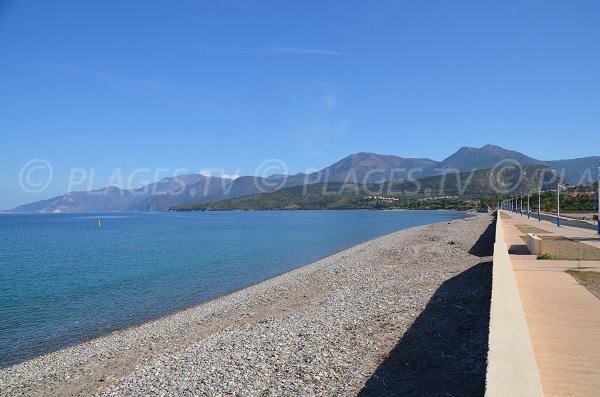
540,205
558,206
528,211
598,200
521,211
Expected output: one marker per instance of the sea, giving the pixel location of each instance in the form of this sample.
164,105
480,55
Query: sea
67,278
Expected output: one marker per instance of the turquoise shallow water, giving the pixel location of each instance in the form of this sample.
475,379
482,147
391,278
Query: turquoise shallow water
64,280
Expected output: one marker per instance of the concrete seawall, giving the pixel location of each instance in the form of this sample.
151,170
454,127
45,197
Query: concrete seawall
512,368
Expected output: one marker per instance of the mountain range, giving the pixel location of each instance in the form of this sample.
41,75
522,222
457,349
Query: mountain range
359,168
340,195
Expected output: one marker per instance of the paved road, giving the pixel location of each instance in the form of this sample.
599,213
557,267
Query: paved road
564,221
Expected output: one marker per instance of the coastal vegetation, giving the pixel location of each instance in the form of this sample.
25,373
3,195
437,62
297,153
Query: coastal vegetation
453,190
332,196
574,199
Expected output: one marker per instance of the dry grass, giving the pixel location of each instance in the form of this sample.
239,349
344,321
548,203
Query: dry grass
589,279
561,248
532,229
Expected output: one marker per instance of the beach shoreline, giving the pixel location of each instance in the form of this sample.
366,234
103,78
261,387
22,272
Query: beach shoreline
106,365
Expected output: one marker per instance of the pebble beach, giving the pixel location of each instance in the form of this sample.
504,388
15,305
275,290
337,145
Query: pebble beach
403,314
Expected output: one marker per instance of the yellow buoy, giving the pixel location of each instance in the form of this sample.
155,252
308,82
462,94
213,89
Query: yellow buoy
98,223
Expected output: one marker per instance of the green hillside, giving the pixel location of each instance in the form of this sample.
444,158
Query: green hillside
333,195
448,191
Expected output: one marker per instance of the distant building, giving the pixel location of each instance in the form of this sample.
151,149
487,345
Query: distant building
438,198
583,194
381,198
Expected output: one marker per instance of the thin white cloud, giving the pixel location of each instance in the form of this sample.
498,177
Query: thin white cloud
229,176
315,138
198,46
262,50
127,85
276,50
331,101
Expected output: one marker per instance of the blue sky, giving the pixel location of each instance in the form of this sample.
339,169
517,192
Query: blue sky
105,85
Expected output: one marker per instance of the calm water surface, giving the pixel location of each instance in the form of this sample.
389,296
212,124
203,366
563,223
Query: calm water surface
64,280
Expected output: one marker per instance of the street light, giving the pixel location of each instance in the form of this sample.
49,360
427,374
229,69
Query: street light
528,211
540,205
521,206
558,206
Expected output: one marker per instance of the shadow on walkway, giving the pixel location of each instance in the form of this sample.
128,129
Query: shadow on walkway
518,249
444,353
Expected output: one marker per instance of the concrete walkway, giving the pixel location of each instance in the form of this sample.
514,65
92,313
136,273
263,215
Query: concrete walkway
563,317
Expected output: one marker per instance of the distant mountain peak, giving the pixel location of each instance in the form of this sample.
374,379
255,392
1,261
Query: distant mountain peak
492,146
361,167
488,156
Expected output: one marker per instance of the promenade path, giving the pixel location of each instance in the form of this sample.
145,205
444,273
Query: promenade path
563,317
